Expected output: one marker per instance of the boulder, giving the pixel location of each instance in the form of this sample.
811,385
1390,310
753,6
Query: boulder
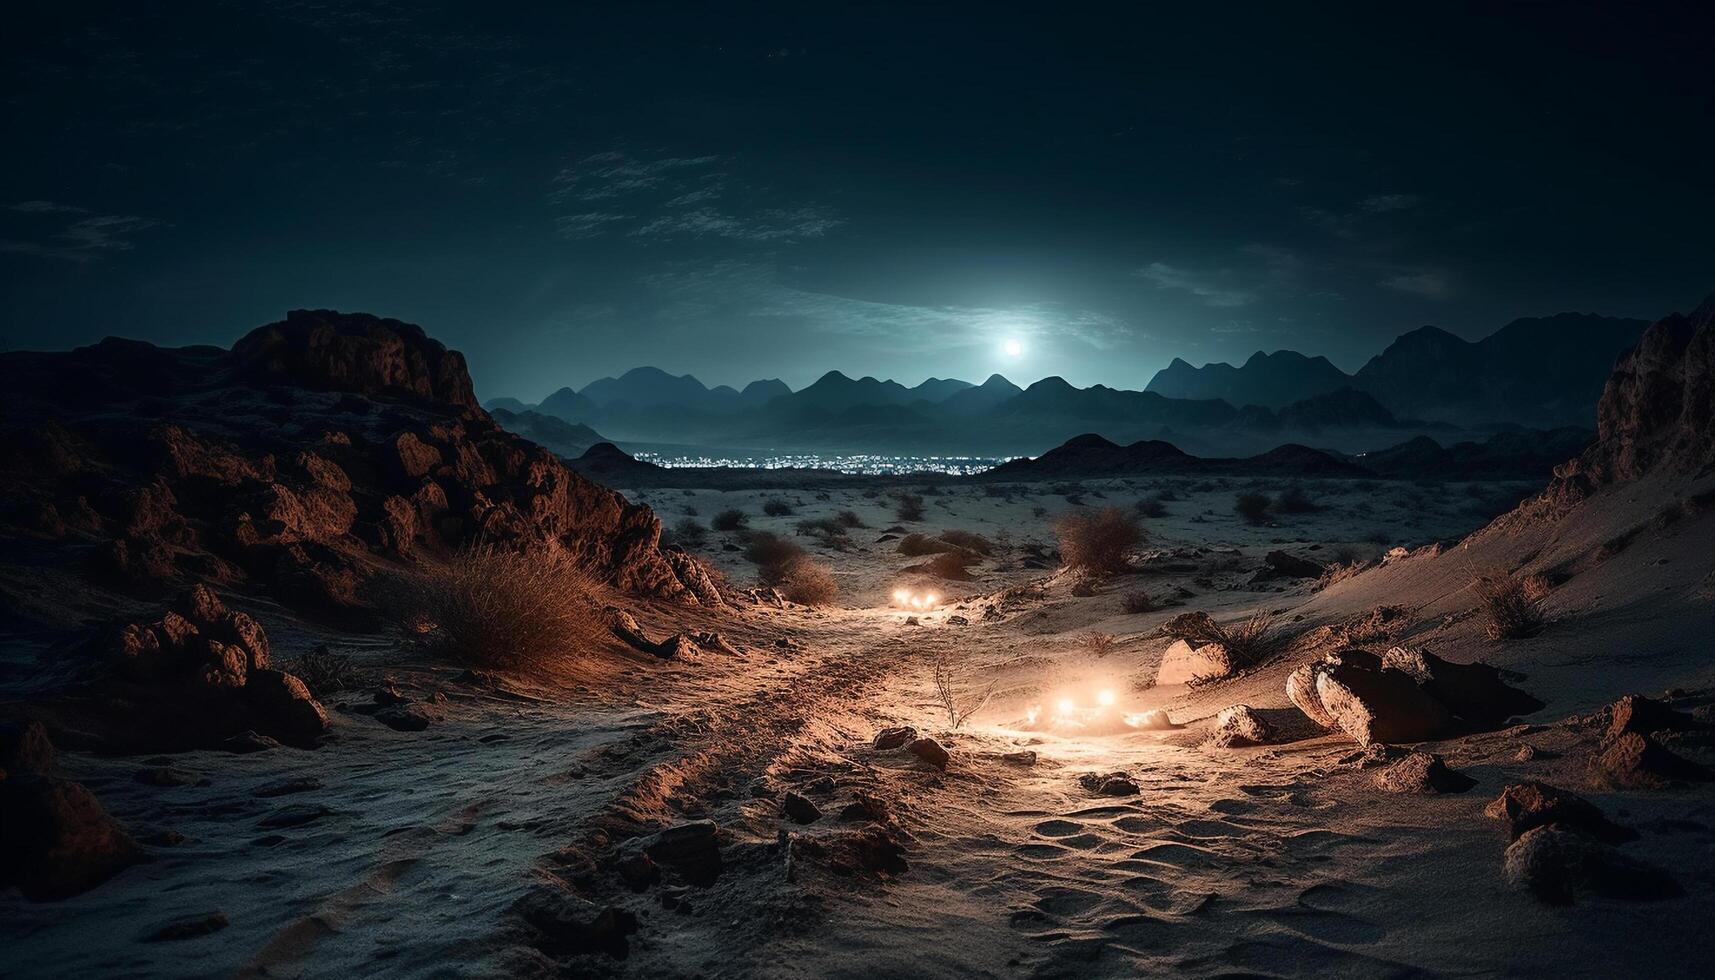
25,747
1422,772
1473,692
1109,783
1555,863
1292,566
569,925
1380,705
56,840
930,751
894,738
799,809
1529,804
1156,720
1025,757
284,708
1301,691
1187,664
1640,762
1240,725
1645,716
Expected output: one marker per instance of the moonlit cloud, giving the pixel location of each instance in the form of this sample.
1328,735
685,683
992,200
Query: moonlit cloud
77,234
1208,287
1425,283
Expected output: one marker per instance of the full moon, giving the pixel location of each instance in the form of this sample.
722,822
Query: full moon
1012,347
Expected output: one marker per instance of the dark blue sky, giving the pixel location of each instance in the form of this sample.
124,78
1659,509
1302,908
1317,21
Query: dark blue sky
564,193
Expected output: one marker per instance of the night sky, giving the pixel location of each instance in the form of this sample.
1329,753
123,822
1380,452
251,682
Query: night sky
564,193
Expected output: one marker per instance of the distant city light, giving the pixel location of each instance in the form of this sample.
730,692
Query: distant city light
863,464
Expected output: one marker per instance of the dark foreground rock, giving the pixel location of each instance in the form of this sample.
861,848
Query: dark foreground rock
56,840
567,925
1424,773
1526,805
1556,863
1474,692
1380,705
1638,761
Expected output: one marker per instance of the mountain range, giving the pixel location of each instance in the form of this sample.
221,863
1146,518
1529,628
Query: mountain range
1535,373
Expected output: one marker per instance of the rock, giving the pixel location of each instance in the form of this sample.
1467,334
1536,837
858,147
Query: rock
1474,692
166,776
1422,772
1555,863
245,743
1380,705
930,751
1640,762
1240,725
692,841
1291,565
1109,784
799,809
1186,664
405,717
285,709
677,646
638,870
56,840
569,925
866,806
25,747
1301,691
1529,804
1645,716
367,355
1023,758
293,815
1155,720
387,695
1373,755
189,927
894,738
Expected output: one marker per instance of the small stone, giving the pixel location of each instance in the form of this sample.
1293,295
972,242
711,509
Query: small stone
571,925
1109,784
1238,726
893,738
799,809
1026,757
1644,716
1422,772
189,927
1528,804
404,717
1640,762
929,751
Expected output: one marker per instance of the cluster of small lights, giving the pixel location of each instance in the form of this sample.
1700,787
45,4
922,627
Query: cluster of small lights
907,599
863,464
1066,710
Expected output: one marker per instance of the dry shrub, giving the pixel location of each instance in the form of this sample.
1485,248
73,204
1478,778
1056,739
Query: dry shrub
1250,642
917,545
775,507
1253,507
910,508
771,554
949,565
830,532
959,698
1340,571
496,607
1137,602
325,672
1295,501
730,519
1537,587
690,533
849,518
1096,643
808,582
1098,543
1510,611
1150,507
969,540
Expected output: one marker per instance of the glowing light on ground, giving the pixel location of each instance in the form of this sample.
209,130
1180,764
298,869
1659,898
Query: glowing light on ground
920,601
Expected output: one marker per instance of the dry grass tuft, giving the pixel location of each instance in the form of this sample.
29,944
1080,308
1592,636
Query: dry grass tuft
1097,644
1508,607
1250,642
1137,602
808,582
775,507
910,508
959,698
1100,542
730,519
1340,571
325,672
495,607
1253,507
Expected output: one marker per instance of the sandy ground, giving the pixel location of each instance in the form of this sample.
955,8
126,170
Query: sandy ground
405,855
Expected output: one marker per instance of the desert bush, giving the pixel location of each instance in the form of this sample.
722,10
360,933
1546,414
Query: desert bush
1295,501
1096,643
731,519
968,540
1340,571
1508,608
1137,602
325,672
849,518
1250,641
830,532
690,511
690,533
1537,587
1039,511
808,582
775,507
1150,507
950,565
1253,507
496,607
909,508
1098,543
771,554
958,697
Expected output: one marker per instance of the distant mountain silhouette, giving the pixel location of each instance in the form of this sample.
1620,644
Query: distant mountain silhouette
980,399
759,393
1269,380
568,406
1091,455
507,405
1537,371
565,439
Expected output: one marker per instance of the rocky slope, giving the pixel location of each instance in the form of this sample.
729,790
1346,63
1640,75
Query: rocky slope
315,452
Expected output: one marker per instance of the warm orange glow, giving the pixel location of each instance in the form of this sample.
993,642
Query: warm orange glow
1105,699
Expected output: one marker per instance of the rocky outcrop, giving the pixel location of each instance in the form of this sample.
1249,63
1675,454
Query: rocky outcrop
317,451
1656,412
1405,695
1380,705
56,840
1184,663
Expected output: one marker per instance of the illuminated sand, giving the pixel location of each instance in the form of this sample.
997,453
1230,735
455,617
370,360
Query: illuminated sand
1280,860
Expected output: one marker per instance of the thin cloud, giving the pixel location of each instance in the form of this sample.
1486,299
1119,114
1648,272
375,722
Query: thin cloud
1207,287
80,235
1426,283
